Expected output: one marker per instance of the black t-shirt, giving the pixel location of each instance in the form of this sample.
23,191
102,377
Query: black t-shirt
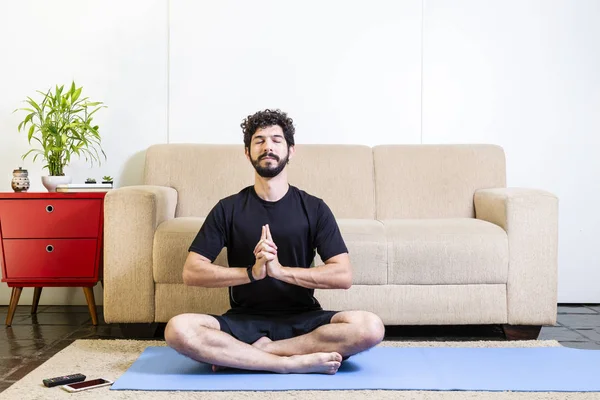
299,224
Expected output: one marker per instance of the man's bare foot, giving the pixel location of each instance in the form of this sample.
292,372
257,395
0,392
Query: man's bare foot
260,343
321,363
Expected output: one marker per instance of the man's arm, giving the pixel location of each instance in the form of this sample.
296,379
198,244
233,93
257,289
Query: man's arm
199,271
336,273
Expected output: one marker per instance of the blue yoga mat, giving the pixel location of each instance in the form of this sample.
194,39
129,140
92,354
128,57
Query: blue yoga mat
552,369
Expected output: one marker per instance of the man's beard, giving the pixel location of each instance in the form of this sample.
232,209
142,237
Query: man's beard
270,171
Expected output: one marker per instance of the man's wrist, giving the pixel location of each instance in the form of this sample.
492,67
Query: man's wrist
250,273
282,273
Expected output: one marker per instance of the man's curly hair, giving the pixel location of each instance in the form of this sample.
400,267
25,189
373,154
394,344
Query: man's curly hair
265,118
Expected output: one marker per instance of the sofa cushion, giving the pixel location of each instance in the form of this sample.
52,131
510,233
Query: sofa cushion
176,298
446,252
367,249
171,242
418,304
365,240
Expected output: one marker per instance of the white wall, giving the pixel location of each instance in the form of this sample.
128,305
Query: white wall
116,50
332,65
526,75
520,74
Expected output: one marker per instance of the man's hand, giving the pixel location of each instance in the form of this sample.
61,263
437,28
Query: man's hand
266,250
336,273
259,270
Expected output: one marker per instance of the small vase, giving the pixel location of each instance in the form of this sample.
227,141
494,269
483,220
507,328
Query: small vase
50,182
20,180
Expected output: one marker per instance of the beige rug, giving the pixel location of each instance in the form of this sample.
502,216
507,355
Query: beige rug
111,358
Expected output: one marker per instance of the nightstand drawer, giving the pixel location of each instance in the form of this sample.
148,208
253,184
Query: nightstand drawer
49,258
50,218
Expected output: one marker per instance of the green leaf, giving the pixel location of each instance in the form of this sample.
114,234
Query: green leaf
30,134
29,152
81,102
37,140
27,119
92,113
34,104
75,95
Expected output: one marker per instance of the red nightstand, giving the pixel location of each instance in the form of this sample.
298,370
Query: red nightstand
51,239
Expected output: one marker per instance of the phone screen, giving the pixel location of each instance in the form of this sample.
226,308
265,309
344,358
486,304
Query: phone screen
93,382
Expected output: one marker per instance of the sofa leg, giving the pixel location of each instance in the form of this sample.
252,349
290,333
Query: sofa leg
521,332
138,331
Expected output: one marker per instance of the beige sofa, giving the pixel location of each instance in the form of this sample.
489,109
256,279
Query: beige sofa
434,235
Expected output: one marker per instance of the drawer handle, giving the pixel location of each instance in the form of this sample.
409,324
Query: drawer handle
49,248
49,208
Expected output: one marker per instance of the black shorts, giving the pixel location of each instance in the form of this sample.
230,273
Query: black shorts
248,328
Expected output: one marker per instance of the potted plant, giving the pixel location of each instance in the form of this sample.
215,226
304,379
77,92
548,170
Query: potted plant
61,123
107,179
90,180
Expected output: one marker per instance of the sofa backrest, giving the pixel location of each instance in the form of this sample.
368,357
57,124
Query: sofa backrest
340,174
202,174
434,181
356,181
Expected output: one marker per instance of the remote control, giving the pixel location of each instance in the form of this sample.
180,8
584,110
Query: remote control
63,380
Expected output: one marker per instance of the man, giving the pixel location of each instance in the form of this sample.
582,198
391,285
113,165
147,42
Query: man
271,231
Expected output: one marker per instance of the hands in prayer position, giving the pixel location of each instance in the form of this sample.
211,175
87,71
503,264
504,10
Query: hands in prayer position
267,263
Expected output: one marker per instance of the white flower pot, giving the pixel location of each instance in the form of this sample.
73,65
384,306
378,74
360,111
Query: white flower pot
50,182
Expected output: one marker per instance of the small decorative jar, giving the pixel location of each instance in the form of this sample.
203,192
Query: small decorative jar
20,180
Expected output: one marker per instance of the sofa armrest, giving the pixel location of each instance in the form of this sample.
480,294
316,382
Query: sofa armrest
530,219
131,216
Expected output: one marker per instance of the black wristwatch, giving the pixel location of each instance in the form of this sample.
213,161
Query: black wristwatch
249,269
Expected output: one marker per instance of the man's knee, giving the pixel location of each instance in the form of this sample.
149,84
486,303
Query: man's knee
368,328
372,329
185,327
175,331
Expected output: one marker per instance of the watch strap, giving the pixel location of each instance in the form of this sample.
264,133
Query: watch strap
249,269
